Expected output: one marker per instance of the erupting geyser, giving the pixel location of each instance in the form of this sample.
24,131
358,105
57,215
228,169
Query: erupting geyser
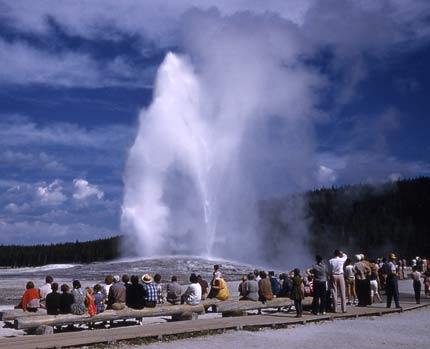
228,126
176,168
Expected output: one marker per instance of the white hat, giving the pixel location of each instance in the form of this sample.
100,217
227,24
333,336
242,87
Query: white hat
147,279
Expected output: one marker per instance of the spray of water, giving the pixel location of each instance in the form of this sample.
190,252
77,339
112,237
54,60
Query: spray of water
172,164
228,126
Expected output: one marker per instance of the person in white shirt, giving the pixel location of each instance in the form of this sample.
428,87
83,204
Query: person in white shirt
337,281
45,289
193,294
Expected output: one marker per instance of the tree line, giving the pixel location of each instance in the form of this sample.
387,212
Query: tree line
71,252
371,219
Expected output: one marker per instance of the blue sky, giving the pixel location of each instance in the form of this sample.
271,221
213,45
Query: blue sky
74,77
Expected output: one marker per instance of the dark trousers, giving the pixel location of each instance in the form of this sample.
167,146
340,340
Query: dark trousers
319,300
361,289
417,291
298,306
392,289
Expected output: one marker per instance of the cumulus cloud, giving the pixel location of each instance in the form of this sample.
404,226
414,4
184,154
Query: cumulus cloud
84,190
14,208
51,194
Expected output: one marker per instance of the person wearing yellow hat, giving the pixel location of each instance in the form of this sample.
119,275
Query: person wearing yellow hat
392,287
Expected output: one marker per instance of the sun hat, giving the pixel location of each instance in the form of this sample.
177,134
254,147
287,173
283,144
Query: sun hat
147,279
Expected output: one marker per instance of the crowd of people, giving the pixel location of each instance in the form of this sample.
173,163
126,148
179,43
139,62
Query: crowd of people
356,282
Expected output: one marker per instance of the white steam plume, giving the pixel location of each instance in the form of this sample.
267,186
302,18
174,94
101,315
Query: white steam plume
229,124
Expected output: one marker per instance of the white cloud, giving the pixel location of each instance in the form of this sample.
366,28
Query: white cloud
326,176
19,130
84,190
51,194
30,65
14,208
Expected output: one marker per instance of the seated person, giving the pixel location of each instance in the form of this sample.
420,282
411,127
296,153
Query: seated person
264,288
193,294
53,300
99,298
174,291
219,289
78,306
90,303
161,294
66,300
117,294
30,299
242,286
204,285
135,294
250,291
151,294
45,290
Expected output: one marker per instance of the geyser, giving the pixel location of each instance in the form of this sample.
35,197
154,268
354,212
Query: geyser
175,168
229,125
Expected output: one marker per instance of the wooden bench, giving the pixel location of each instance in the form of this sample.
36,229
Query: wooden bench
40,323
43,324
235,307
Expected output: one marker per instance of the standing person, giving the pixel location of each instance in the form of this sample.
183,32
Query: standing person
361,272
337,281
416,282
217,272
427,282
45,289
151,296
297,293
52,301
135,294
174,291
275,283
374,282
204,285
392,287
349,275
367,283
78,306
193,294
286,285
319,274
264,288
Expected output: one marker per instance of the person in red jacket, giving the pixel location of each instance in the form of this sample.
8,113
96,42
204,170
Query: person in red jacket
31,298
